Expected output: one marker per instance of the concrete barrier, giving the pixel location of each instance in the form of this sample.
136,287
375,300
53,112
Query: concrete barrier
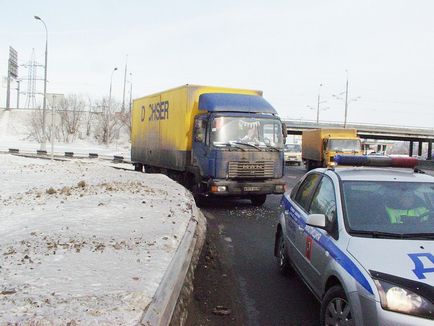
169,305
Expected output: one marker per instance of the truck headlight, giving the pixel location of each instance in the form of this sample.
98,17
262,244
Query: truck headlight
218,188
399,299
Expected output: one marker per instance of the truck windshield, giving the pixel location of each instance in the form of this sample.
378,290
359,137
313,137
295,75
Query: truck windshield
261,132
344,145
293,148
392,208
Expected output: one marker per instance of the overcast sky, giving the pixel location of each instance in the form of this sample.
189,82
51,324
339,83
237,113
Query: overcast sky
285,48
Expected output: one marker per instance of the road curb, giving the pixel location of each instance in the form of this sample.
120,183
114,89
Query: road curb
171,299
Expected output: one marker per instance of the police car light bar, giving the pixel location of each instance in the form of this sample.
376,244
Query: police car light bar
379,161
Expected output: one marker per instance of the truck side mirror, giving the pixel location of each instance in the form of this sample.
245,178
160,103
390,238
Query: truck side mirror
198,138
199,131
324,144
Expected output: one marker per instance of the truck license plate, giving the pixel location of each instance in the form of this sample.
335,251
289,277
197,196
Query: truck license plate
252,188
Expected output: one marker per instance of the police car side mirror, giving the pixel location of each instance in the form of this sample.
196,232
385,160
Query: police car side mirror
317,220
322,222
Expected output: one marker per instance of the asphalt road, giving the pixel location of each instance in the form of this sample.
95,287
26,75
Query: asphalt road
237,281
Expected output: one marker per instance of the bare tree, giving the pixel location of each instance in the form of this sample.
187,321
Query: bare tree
89,117
125,119
35,131
108,122
71,110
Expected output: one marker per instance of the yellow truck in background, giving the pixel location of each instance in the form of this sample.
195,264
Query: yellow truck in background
320,146
213,140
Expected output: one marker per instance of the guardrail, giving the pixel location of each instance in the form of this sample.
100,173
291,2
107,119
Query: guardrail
65,155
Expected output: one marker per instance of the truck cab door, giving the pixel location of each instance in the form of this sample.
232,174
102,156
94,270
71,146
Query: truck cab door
200,146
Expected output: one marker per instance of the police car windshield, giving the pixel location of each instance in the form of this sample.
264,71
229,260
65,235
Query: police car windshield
260,132
401,208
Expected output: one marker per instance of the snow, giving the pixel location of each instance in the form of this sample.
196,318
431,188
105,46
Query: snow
80,241
14,133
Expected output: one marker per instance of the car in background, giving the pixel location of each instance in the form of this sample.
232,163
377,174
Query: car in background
292,154
351,235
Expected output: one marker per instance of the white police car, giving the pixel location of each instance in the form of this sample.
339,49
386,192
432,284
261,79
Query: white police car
362,239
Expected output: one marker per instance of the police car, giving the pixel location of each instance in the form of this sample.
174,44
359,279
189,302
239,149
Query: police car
361,238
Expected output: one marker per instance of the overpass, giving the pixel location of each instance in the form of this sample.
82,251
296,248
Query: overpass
370,131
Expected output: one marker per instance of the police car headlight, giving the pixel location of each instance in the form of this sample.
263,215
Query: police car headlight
399,299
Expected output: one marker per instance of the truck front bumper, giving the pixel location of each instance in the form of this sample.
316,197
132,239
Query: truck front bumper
222,187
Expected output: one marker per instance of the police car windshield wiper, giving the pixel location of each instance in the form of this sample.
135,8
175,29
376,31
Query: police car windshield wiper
378,234
427,235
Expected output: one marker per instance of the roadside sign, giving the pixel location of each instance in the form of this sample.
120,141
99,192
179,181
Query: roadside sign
13,62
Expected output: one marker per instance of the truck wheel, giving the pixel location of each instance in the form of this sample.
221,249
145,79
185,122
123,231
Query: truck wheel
138,167
336,308
258,200
200,200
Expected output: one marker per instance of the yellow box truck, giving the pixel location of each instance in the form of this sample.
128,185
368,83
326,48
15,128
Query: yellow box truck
214,140
320,146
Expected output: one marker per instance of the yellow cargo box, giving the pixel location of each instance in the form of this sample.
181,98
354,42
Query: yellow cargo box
162,125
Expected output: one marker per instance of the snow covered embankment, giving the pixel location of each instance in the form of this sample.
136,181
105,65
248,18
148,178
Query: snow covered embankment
82,242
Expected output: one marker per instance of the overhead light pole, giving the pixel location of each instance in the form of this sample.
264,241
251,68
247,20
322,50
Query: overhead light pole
317,109
131,91
44,103
318,104
110,92
125,82
346,99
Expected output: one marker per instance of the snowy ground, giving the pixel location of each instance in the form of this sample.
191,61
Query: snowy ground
14,134
82,242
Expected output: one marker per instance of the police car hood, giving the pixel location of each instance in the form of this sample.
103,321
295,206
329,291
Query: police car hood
410,259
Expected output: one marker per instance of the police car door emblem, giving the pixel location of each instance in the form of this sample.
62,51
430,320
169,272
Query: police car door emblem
419,268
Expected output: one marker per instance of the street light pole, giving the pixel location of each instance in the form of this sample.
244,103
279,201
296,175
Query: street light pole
125,81
110,92
319,99
346,102
44,136
18,93
131,91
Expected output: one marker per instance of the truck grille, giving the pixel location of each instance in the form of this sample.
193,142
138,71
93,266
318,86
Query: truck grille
259,169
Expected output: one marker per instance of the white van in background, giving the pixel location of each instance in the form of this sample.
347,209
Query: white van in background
292,154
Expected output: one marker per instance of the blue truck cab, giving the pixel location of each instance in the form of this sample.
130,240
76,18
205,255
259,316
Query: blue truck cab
238,147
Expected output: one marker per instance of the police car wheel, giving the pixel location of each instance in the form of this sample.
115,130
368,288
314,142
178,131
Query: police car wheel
283,259
336,308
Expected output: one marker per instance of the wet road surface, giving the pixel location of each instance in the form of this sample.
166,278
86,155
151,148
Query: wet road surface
237,280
